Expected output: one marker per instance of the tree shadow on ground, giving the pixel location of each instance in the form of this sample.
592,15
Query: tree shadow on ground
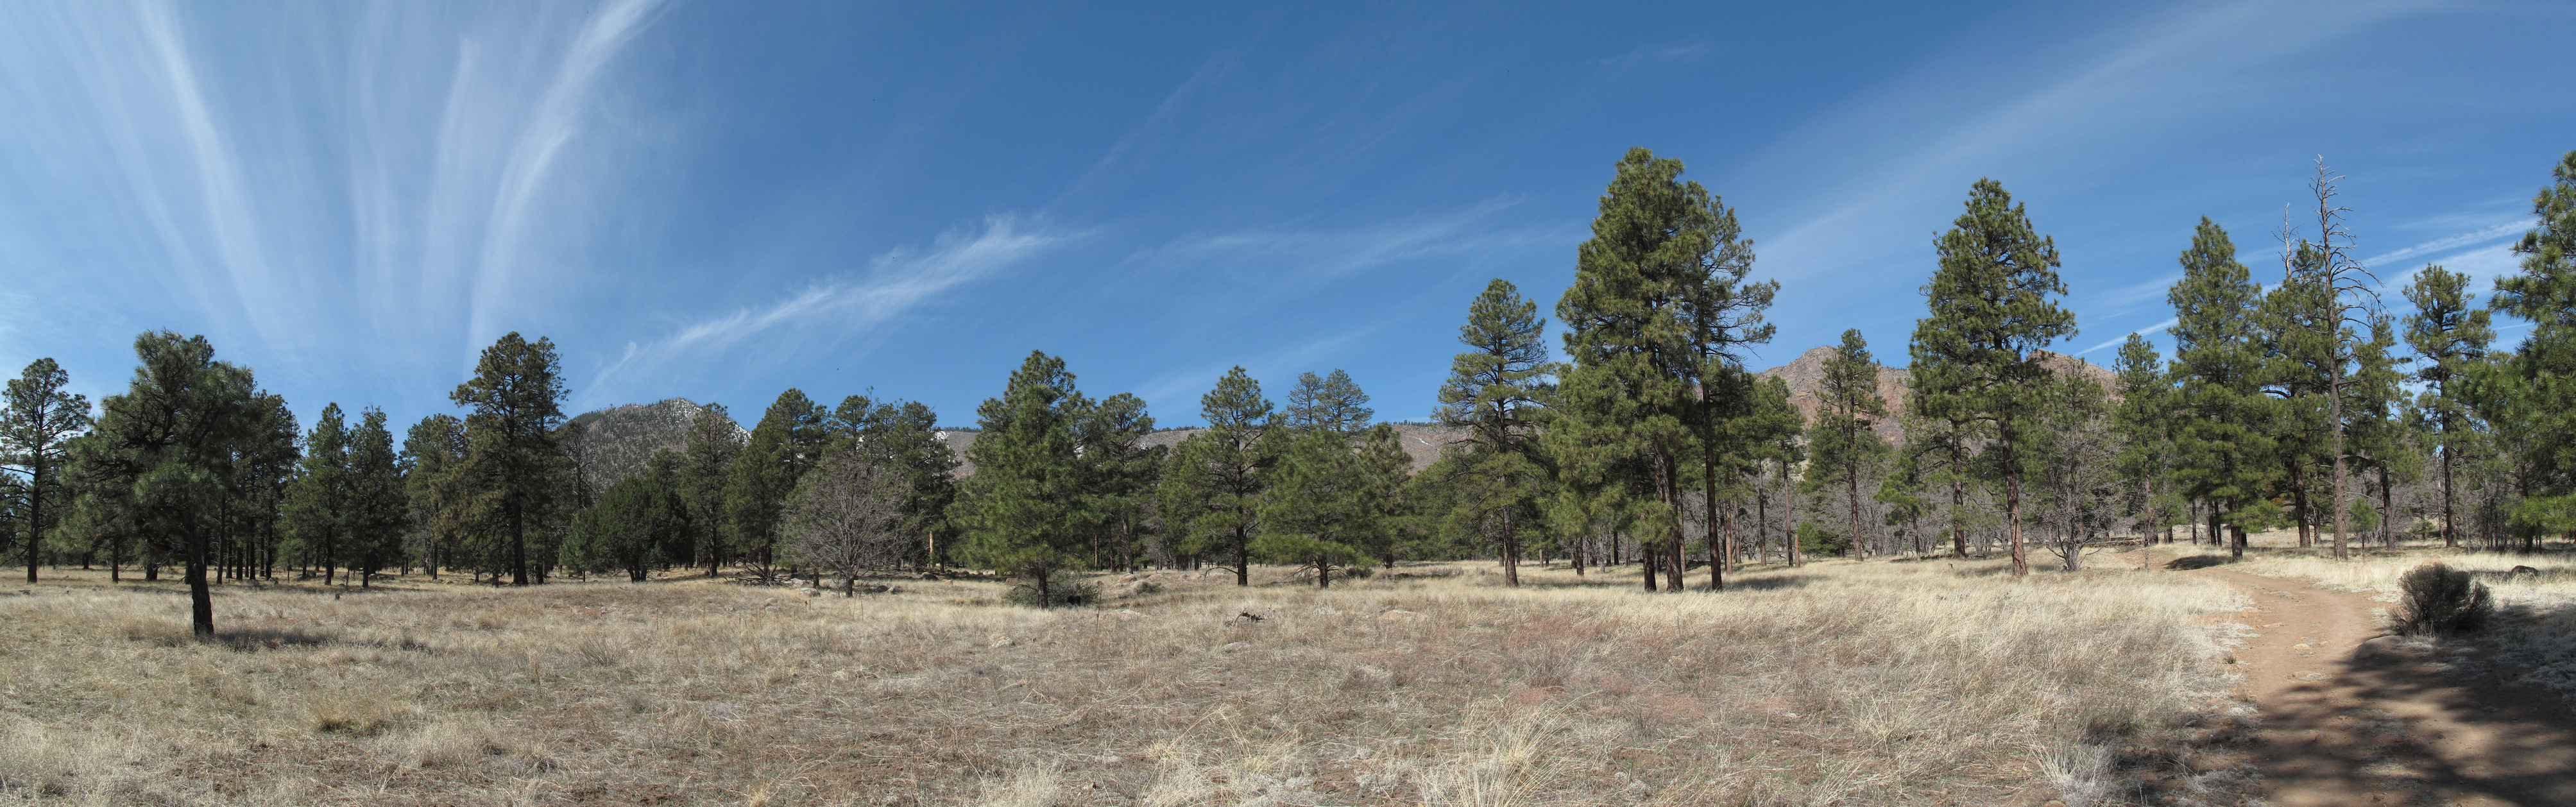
1772,583
2198,562
272,638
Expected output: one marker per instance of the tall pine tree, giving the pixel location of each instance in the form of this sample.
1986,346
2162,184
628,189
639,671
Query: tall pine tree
1213,486
35,442
2449,332
377,517
1653,318
514,405
2223,448
1991,312
1331,403
1496,393
2543,366
156,465
1846,448
1025,505
788,442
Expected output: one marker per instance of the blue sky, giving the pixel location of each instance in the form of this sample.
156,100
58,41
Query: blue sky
722,200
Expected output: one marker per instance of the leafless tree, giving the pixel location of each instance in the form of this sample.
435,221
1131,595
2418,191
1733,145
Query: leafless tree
847,515
2075,466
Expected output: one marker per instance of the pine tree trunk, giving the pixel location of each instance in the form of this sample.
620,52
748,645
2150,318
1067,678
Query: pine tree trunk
2449,538
1853,480
35,512
518,547
1242,558
2387,537
2012,504
1958,520
1511,552
1646,561
201,602
2334,419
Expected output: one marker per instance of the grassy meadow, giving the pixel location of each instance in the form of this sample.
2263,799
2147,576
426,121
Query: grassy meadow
1928,682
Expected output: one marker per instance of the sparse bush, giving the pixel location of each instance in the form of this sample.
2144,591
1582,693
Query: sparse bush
2440,599
1063,589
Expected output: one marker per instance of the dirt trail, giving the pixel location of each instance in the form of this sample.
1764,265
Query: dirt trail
2353,717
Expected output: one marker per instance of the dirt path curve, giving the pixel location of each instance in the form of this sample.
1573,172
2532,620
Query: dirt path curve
2352,717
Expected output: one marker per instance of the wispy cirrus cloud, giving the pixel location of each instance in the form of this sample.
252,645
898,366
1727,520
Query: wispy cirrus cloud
2125,336
354,199
2482,235
1320,255
893,283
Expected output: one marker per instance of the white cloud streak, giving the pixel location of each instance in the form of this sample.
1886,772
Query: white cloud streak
2508,229
554,122
2125,337
2107,93
895,282
359,194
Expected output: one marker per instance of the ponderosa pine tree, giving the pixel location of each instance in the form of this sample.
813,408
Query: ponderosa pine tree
1331,403
1991,312
35,442
707,456
156,464
2380,443
636,524
1845,448
2544,364
789,440
317,501
264,466
1655,310
1212,487
1330,506
434,450
514,403
377,517
2303,358
1124,473
2223,447
2449,332
1024,509
2144,423
1774,436
1496,393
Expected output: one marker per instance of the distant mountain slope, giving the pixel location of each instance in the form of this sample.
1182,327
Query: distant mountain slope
1806,378
620,439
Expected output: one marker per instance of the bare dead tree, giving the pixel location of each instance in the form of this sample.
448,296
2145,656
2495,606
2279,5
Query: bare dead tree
2327,262
847,515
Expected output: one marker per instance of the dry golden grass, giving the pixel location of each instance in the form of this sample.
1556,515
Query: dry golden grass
2537,628
1838,683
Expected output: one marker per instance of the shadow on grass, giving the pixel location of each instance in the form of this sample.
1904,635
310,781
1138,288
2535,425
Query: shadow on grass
1772,583
272,638
2198,562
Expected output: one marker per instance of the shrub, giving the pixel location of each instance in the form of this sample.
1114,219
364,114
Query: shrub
1063,589
2440,599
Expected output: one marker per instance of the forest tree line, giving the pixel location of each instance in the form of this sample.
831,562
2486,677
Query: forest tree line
2291,404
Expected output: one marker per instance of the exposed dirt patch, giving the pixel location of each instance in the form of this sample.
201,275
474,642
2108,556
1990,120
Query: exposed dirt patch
2351,715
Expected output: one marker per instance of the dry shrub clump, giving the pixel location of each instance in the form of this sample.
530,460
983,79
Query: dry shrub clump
2437,599
1838,683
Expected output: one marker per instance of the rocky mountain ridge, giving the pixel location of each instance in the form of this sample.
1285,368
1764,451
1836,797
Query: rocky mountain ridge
617,441
1806,379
